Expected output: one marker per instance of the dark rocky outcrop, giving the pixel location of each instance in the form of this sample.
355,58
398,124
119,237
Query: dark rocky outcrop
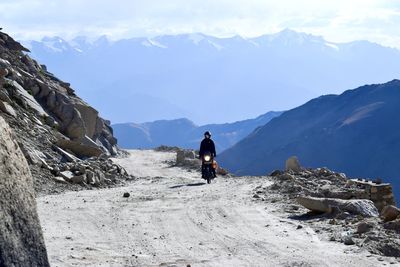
21,240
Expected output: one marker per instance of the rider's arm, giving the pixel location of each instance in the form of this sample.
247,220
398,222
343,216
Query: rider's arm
214,152
201,149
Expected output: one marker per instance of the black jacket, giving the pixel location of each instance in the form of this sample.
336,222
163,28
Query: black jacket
207,145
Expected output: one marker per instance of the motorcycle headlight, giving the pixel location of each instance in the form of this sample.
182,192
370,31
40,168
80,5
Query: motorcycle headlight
207,158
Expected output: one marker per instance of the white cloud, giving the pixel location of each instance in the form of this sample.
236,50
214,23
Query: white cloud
339,20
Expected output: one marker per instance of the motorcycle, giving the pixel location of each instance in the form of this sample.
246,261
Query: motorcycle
208,167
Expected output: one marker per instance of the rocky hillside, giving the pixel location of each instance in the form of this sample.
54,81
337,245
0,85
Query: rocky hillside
55,129
355,133
184,133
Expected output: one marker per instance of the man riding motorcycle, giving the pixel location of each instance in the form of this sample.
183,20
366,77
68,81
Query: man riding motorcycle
207,146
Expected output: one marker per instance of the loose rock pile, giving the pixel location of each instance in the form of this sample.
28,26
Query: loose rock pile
93,171
355,212
320,182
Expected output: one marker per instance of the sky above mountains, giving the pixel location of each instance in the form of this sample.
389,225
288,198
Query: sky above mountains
338,21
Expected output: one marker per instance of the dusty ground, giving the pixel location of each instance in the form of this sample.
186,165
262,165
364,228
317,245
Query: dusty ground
173,219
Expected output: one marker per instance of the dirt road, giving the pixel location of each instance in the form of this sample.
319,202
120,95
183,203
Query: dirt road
173,219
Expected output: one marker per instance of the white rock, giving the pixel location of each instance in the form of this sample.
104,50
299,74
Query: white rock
6,108
67,175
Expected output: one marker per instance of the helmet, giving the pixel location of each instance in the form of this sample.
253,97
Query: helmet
207,133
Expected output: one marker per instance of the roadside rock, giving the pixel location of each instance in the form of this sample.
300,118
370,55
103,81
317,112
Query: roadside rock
390,213
90,177
315,204
180,157
21,240
364,227
67,175
393,225
348,240
293,164
361,207
187,158
79,179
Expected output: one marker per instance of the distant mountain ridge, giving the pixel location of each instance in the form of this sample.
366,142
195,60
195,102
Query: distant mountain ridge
356,132
169,76
184,133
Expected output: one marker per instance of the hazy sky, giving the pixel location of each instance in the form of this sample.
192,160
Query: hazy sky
336,20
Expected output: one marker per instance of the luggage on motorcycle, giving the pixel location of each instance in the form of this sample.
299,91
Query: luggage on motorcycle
215,165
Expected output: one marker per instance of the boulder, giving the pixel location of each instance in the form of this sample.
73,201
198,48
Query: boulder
79,179
50,121
364,227
393,225
315,204
75,129
6,108
4,95
51,100
390,213
3,72
363,207
90,177
100,176
80,149
293,164
89,116
347,239
35,89
33,156
28,99
180,157
21,239
67,175
69,157
189,154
